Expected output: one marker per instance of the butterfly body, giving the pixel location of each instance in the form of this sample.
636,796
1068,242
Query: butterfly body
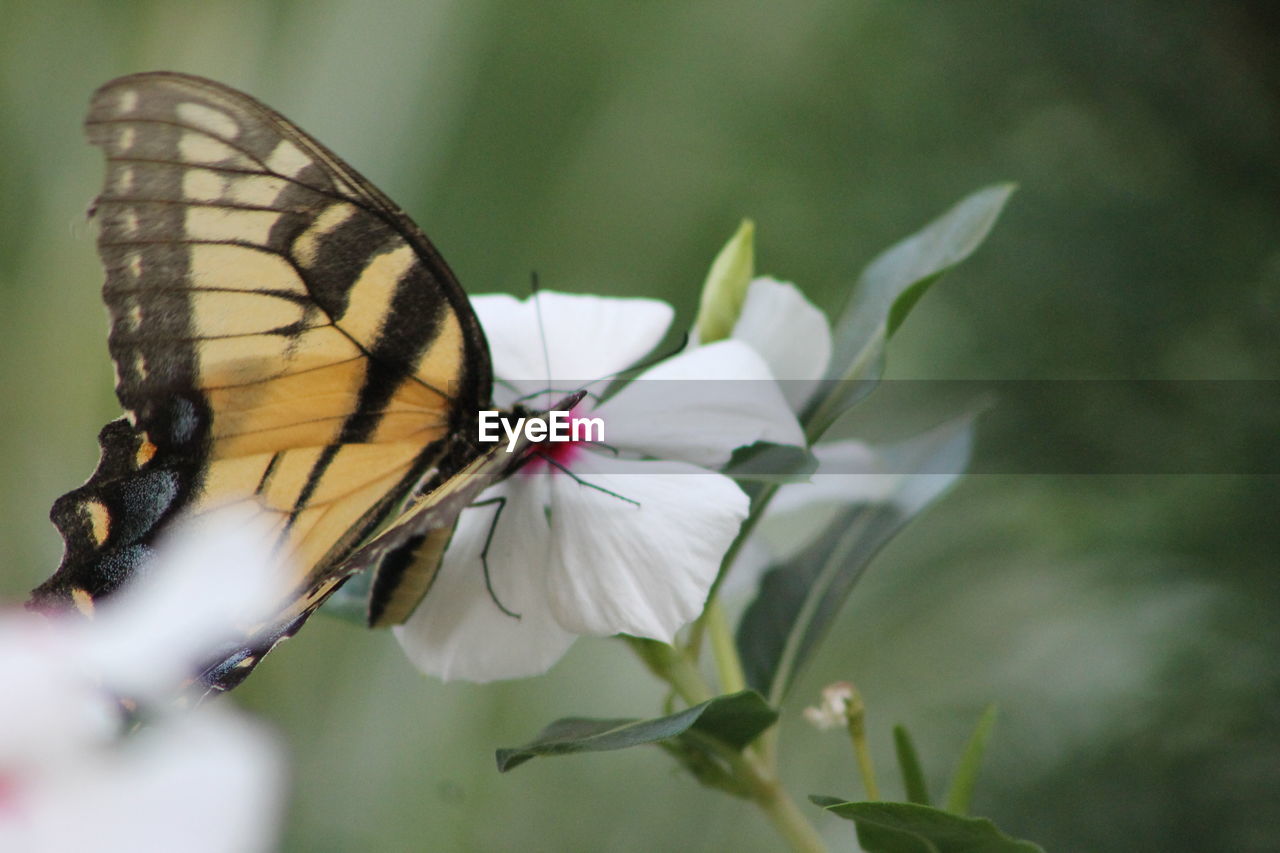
287,344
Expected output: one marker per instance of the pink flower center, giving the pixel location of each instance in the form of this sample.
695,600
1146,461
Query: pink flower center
583,430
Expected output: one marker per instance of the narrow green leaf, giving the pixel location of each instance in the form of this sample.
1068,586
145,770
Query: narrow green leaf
892,283
913,828
734,720
763,462
886,292
726,286
909,762
960,793
797,601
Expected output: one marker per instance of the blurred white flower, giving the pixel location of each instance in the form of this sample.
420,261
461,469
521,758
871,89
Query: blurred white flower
205,782
210,581
72,774
625,537
833,710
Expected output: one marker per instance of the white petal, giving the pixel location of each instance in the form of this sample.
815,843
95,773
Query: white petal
581,337
459,631
50,708
849,472
642,570
206,782
701,405
206,582
790,333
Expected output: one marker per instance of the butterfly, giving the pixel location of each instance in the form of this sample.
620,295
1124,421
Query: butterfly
287,342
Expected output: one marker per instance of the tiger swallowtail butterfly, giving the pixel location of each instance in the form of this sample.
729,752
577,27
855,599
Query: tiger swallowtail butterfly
285,338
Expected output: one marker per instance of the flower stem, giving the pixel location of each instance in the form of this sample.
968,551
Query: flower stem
686,679
728,664
767,792
857,716
758,505
733,678
676,667
766,746
781,810
790,823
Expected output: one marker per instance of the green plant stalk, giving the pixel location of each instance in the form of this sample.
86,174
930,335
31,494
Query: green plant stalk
733,679
767,793
787,818
857,725
725,651
675,667
766,746
758,505
686,679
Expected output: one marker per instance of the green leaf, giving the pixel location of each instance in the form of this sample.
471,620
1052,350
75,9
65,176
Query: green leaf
913,828
763,462
960,793
736,719
726,286
733,720
797,601
909,762
889,288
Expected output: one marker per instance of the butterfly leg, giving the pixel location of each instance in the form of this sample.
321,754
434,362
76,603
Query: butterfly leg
501,503
582,482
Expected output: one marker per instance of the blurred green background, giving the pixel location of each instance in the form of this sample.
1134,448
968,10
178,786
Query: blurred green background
1125,625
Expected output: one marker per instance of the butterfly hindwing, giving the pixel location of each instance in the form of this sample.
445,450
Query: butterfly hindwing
405,556
286,341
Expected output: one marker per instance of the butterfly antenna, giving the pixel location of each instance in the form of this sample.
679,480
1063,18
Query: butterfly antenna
642,365
536,287
645,365
581,482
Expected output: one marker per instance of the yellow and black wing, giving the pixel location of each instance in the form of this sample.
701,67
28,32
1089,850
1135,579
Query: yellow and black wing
286,341
405,556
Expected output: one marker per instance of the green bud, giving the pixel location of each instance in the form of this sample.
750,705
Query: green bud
726,286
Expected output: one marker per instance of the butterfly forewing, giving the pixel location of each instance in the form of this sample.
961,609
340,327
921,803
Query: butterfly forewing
286,342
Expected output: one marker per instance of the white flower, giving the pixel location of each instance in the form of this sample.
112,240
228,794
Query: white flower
833,710
204,782
210,579
73,778
624,538
790,333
